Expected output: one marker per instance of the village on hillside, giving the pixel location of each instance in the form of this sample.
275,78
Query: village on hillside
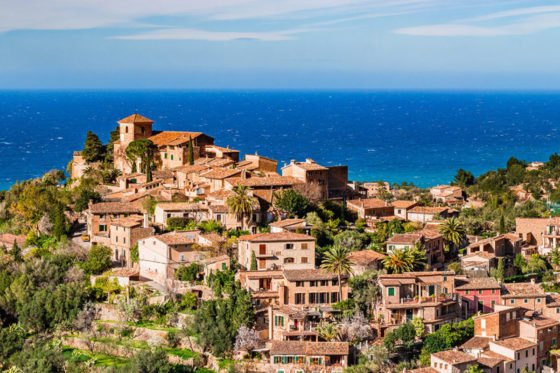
247,265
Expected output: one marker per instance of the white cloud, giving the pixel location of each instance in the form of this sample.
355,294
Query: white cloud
194,34
89,14
536,20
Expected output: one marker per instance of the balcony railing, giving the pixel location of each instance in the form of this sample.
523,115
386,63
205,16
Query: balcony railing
427,299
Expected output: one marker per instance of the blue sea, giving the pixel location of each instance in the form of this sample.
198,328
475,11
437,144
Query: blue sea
420,137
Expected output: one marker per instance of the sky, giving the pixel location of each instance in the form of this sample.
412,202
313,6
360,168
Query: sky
280,44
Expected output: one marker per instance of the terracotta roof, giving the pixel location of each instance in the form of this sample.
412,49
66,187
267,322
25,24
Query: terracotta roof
417,274
365,257
495,355
308,275
476,343
404,239
454,357
114,208
489,362
480,283
213,237
523,289
218,209
540,322
180,206
308,348
127,222
222,149
216,259
190,169
173,137
428,210
480,254
286,223
220,173
508,236
401,204
370,203
308,166
515,343
136,119
265,181
276,237
178,237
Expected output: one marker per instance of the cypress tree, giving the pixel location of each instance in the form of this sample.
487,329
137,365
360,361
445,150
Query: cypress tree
93,148
59,224
253,261
190,155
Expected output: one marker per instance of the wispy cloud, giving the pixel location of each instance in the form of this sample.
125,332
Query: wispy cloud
195,34
521,21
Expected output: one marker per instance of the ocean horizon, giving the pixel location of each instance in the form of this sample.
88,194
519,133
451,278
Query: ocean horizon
415,136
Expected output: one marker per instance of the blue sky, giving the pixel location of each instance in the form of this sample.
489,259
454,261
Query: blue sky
363,44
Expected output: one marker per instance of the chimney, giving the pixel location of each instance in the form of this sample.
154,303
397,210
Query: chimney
309,160
533,281
292,161
244,174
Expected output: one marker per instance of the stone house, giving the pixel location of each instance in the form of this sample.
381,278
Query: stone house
426,295
123,235
542,232
331,182
478,295
424,214
370,208
100,215
429,240
528,295
283,250
365,260
299,357
160,256
447,194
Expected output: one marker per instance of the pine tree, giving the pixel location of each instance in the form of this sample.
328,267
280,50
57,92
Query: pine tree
253,261
190,155
93,148
59,225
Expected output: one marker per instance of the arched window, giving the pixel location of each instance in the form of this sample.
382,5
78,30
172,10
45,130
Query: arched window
288,260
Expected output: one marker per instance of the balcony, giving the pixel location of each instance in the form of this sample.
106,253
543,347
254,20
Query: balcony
419,301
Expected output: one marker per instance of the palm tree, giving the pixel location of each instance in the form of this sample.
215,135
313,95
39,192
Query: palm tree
328,331
241,203
336,260
417,257
453,232
399,261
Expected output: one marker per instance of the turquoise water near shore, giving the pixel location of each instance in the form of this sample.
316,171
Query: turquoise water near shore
423,137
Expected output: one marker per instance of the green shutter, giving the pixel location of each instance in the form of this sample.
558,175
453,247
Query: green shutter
391,291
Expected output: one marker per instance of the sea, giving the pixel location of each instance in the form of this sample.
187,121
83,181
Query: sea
414,136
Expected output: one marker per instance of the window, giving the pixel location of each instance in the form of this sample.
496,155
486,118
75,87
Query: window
526,353
182,257
299,284
125,129
466,292
165,155
324,283
300,298
288,260
525,300
124,240
171,156
312,283
538,300
479,292
304,246
312,298
391,292
493,304
304,259
335,282
102,228
116,238
512,301
494,292
334,297
289,246
278,320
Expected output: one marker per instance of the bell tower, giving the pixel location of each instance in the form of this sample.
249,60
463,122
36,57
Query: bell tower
134,127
